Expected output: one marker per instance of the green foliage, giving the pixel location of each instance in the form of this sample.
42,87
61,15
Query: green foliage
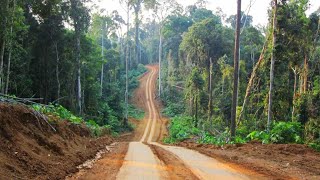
62,113
286,132
262,136
134,75
135,112
173,109
282,132
315,146
181,128
97,130
58,111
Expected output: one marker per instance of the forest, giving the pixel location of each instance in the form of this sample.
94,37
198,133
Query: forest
83,62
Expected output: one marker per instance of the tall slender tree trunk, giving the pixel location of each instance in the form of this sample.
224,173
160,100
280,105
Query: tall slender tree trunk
196,111
137,24
305,74
3,46
274,39
127,63
10,48
1,63
160,59
294,90
236,72
210,93
57,72
79,92
102,56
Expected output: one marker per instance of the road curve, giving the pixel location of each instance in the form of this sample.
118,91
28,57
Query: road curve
141,163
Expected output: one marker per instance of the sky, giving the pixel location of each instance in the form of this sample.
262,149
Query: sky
258,10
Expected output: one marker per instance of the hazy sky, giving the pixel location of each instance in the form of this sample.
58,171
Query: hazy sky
258,9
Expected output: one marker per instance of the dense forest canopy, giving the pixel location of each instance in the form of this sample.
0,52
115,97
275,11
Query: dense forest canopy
64,52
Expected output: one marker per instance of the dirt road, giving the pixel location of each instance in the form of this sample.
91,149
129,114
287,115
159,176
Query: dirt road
147,159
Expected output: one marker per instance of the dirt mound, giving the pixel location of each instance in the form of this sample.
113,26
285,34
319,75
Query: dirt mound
32,149
274,161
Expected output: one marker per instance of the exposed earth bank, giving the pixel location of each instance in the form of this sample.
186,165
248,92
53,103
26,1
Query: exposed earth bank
32,149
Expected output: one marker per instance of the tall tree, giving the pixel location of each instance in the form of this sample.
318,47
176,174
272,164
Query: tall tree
3,38
236,72
137,6
274,39
80,17
127,8
162,9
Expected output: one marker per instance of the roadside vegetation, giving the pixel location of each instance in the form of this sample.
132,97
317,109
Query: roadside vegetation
198,76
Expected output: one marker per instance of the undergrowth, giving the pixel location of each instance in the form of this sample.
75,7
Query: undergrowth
61,113
182,128
135,113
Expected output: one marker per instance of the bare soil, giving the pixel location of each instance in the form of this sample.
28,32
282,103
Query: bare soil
105,168
173,165
271,161
31,149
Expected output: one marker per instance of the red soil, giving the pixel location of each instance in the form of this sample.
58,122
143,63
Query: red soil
31,149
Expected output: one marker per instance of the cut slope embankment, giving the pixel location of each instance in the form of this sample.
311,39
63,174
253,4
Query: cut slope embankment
32,149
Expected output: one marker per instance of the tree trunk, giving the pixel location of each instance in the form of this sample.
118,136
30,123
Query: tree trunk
127,58
236,72
196,111
294,91
1,63
57,72
274,39
210,93
305,74
160,59
102,66
137,24
10,48
3,45
79,92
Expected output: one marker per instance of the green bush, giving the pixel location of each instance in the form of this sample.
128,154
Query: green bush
262,136
97,130
282,132
133,77
286,132
135,112
58,111
181,128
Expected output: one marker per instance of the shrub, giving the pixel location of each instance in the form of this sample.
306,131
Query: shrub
282,132
181,128
286,132
262,136
135,112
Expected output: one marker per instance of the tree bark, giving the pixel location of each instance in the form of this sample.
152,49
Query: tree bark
102,56
57,72
294,90
160,59
127,63
3,45
210,93
137,24
236,72
10,48
305,74
274,39
79,92
1,64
